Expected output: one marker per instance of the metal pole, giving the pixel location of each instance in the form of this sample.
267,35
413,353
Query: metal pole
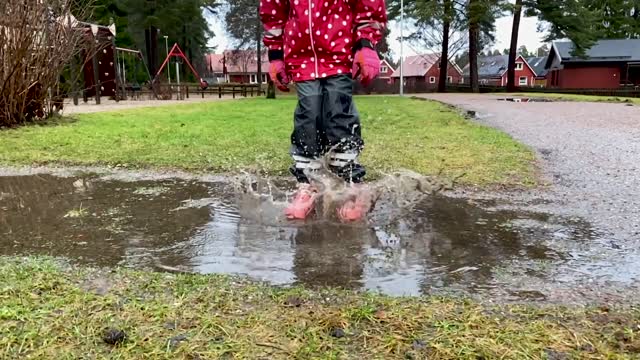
401,48
178,78
166,46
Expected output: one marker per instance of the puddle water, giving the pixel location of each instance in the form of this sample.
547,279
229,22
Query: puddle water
525,100
443,244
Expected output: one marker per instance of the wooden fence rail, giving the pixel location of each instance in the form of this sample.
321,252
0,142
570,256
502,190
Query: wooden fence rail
184,91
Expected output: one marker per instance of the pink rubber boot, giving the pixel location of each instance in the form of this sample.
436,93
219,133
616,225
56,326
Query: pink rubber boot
303,203
356,209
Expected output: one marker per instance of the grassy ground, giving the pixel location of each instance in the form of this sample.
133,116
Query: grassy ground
229,135
53,311
583,98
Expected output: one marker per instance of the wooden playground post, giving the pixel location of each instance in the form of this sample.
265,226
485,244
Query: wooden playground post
96,76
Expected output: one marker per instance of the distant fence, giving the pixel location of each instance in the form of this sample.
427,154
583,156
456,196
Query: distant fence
185,91
382,86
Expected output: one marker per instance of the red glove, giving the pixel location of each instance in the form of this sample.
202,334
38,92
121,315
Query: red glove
366,65
278,74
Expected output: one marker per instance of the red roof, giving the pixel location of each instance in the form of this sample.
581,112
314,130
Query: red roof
417,65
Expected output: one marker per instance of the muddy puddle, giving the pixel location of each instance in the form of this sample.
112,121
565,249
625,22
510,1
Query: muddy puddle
525,99
442,245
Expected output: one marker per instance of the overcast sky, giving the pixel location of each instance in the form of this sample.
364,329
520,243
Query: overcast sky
529,36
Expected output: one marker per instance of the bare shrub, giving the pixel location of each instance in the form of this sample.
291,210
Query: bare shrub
38,38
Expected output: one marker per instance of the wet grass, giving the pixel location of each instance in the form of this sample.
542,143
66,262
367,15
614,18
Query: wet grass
581,98
230,136
50,310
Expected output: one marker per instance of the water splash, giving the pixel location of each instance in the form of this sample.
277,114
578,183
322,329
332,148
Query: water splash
262,200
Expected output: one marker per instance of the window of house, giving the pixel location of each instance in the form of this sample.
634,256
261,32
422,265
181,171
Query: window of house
523,80
383,69
432,80
461,80
253,79
449,79
519,66
264,78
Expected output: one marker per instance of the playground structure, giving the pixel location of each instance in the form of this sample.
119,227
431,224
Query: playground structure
179,55
114,72
130,88
104,67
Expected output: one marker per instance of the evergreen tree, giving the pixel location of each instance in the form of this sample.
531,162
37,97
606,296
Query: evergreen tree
543,50
522,50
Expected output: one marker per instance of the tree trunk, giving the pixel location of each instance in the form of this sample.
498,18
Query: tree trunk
444,57
271,90
511,70
474,31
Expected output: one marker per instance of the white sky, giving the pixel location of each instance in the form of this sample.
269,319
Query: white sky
529,36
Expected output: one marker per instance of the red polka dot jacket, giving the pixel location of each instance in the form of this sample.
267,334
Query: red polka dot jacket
317,38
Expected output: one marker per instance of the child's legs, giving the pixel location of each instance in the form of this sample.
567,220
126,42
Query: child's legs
305,139
341,128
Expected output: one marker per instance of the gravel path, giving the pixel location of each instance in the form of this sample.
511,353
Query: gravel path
589,151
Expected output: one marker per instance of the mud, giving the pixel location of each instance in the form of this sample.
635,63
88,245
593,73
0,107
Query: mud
441,244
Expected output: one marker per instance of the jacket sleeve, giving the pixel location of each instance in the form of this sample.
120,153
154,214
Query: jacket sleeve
274,15
370,18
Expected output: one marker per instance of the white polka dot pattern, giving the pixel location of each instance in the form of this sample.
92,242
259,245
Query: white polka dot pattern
317,36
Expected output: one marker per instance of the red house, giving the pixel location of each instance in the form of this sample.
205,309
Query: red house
609,64
236,66
426,69
386,70
492,70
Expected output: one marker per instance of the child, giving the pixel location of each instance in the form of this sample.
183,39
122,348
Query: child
322,45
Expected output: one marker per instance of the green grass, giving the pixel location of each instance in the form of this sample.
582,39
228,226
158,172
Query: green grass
49,310
232,135
582,98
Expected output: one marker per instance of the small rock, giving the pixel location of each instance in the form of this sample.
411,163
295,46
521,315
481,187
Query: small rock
338,333
176,340
587,348
293,301
218,339
114,336
418,344
555,355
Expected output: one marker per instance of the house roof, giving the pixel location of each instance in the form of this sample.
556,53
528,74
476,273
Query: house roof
537,64
603,50
496,66
490,66
417,65
237,62
386,63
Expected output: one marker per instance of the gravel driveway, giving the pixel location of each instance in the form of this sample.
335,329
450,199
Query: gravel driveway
590,153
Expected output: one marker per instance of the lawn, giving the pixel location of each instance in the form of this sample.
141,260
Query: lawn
228,136
51,310
582,98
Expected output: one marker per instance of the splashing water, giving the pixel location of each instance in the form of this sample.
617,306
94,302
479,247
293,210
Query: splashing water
262,200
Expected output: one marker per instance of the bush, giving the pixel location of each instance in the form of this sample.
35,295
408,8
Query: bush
37,40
